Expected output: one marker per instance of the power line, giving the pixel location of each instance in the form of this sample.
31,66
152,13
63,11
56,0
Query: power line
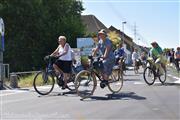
132,28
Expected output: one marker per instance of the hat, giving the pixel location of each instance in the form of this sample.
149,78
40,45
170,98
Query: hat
153,43
102,31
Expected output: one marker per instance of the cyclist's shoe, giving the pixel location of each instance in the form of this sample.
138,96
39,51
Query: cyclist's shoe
104,83
64,87
60,82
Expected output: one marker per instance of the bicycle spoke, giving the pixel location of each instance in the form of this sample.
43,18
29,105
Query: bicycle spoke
149,76
85,84
115,83
43,83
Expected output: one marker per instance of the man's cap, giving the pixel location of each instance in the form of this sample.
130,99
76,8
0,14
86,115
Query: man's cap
153,43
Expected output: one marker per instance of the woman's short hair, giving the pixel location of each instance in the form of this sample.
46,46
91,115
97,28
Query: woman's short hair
62,37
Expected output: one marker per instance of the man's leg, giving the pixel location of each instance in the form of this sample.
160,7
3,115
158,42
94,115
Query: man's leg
158,66
177,63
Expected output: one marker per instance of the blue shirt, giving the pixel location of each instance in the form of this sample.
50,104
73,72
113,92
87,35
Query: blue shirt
102,47
119,52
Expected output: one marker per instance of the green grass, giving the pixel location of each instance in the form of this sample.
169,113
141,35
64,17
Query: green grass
26,81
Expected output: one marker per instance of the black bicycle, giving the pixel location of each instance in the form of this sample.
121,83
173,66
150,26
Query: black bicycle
86,82
151,73
44,80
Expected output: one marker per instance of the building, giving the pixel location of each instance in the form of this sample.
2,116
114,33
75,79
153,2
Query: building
93,25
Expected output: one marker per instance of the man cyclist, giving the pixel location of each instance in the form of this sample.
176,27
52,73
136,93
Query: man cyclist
135,58
156,53
177,58
119,53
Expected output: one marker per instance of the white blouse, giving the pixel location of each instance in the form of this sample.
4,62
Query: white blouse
67,56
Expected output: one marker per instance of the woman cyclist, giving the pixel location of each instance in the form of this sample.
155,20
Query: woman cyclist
64,62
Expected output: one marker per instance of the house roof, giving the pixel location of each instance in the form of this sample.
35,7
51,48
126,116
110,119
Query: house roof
92,23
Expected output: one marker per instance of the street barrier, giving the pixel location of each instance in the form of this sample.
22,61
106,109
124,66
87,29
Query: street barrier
13,80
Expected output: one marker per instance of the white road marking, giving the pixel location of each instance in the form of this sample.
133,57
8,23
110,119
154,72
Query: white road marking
11,92
178,81
138,83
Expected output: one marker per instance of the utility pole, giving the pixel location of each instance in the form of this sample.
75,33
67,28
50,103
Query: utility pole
135,33
1,53
124,22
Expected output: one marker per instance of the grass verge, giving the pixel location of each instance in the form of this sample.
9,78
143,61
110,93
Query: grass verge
26,81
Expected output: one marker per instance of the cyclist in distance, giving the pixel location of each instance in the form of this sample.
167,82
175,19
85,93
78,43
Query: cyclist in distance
64,62
119,52
104,47
177,58
156,53
135,56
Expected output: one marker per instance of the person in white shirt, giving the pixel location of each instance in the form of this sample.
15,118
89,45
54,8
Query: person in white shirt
135,56
64,62
177,58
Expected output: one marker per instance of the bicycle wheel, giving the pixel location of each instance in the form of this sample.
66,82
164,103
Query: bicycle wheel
118,72
162,78
70,83
43,83
115,81
85,84
149,76
135,69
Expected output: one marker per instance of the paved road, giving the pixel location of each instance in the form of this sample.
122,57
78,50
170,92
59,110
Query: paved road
135,101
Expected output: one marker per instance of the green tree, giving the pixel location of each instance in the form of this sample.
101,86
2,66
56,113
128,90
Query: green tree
33,26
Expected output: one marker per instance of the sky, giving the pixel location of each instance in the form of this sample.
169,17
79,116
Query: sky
151,20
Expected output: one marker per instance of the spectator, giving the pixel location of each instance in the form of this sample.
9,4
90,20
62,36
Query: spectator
177,58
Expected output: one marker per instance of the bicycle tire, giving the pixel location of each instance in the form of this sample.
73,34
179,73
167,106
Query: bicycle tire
118,72
115,81
43,83
136,70
85,84
149,72
162,78
71,83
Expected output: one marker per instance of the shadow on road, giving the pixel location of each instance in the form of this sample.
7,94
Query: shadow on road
119,96
167,84
131,79
67,94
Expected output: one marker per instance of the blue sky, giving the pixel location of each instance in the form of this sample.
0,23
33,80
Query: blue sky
155,20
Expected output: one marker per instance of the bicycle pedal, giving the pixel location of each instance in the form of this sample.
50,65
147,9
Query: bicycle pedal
102,85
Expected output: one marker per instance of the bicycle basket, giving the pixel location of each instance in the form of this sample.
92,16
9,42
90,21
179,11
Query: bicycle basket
49,59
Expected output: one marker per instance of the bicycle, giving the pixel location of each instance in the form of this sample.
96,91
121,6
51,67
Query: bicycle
151,74
44,80
137,65
86,82
121,65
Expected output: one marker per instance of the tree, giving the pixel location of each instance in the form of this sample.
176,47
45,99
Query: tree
33,26
114,37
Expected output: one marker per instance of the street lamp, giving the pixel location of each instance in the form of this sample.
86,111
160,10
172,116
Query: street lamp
124,22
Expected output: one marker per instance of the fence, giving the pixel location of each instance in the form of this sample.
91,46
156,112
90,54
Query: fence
16,75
